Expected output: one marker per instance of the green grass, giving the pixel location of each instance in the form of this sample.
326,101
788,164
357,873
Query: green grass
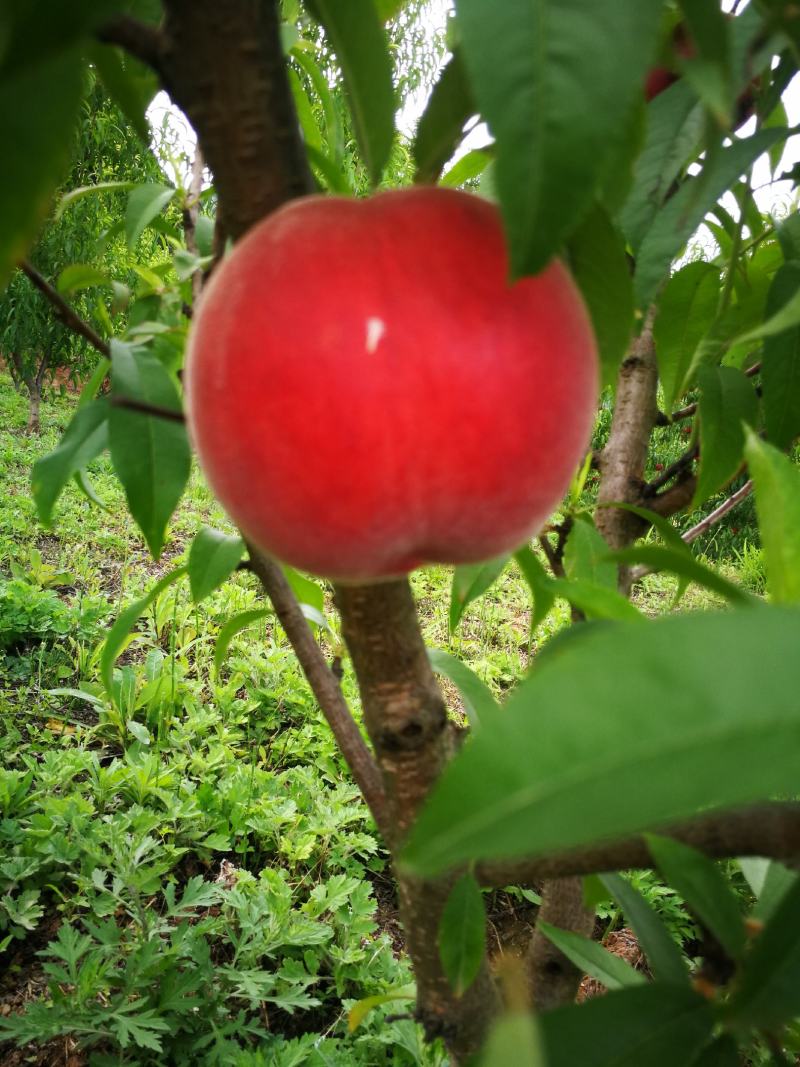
187,874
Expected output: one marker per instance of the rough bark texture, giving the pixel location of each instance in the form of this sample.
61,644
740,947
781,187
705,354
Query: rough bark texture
407,722
224,66
623,459
553,979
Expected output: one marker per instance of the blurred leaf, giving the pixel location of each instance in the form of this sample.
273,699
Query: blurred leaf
440,129
586,554
470,581
592,958
479,703
596,601
362,1008
768,994
685,565
139,731
144,204
704,888
129,83
769,880
305,589
624,730
533,65
674,131
724,1052
686,311
231,628
539,582
81,276
213,557
777,487
600,266
513,1039
150,454
462,934
780,361
118,634
652,1025
470,166
359,41
663,955
38,110
727,399
682,214
84,438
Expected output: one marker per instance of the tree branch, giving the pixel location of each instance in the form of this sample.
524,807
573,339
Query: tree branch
718,513
67,315
145,408
324,685
770,829
552,978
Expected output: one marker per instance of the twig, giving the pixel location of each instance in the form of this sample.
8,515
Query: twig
681,464
324,684
137,38
690,409
771,830
718,513
63,311
145,408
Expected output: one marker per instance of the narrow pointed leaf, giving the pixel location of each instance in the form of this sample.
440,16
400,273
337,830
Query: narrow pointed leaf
703,886
586,554
118,634
687,309
592,958
663,954
85,437
539,582
533,65
231,628
471,581
660,558
479,703
596,601
462,934
780,362
727,400
624,731
362,1008
213,557
144,204
359,40
777,488
441,126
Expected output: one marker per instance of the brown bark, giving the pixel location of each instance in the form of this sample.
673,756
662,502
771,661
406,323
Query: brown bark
407,722
553,979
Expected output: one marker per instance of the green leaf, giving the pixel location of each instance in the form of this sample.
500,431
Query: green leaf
362,1008
38,109
624,730
704,888
479,704
85,437
462,934
441,126
213,557
682,214
470,581
81,276
599,264
305,112
129,83
539,582
769,989
514,1039
305,589
231,628
659,558
664,527
724,1052
90,190
663,955
139,731
534,65
150,454
359,41
470,166
586,554
674,130
334,131
144,204
596,601
777,487
652,1025
592,958
727,400
118,634
775,881
686,312
780,362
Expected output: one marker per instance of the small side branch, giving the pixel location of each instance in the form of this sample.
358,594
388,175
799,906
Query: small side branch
718,513
770,829
143,408
67,315
324,684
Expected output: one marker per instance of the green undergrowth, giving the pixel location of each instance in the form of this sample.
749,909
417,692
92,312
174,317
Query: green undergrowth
187,874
